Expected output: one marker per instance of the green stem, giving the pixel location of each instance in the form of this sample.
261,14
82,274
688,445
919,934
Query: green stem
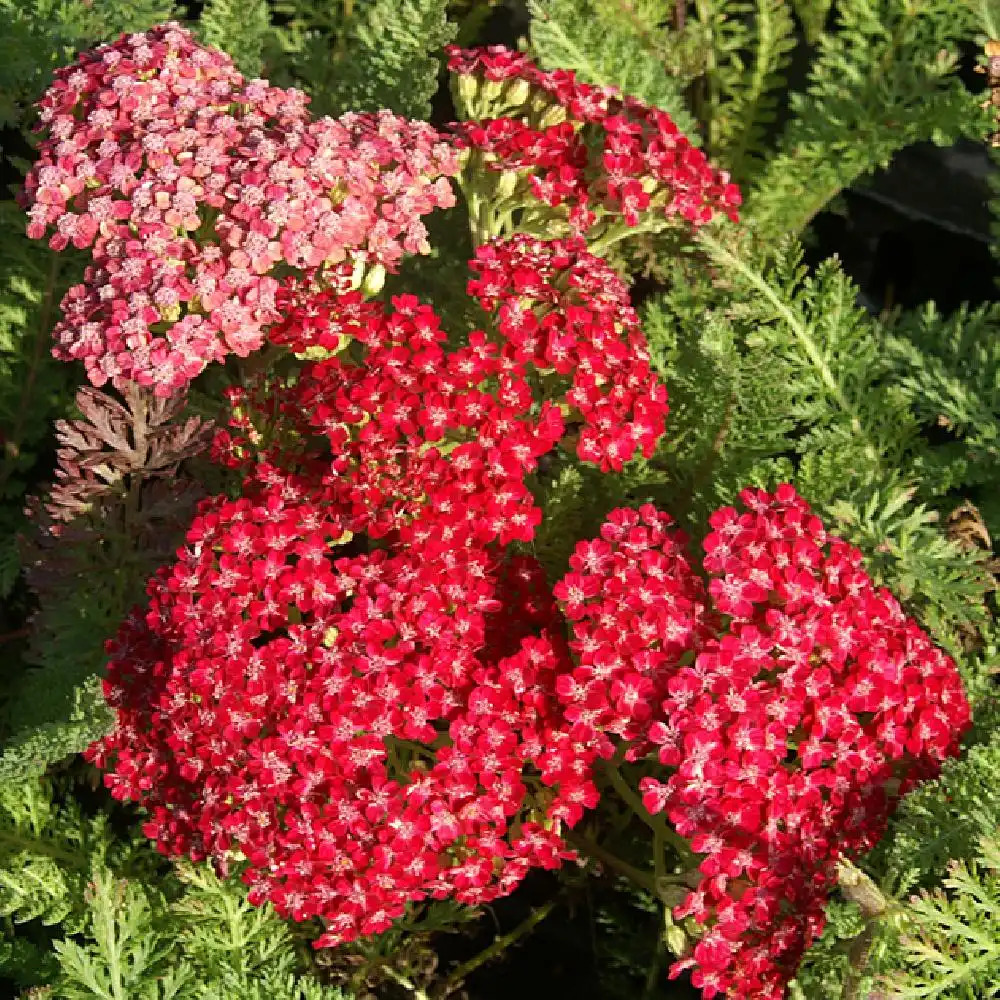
594,850
404,982
658,869
499,945
15,842
657,824
710,107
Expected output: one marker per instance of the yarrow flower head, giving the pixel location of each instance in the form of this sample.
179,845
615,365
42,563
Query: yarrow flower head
635,607
191,185
791,735
566,314
596,154
353,682
335,718
411,426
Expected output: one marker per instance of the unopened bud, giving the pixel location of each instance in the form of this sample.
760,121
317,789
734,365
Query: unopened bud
466,88
358,274
374,280
506,185
517,91
676,940
554,115
491,90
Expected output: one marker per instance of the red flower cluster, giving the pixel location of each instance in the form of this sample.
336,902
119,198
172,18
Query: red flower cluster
374,728
190,185
410,426
792,735
564,340
593,150
636,607
348,679
567,314
326,717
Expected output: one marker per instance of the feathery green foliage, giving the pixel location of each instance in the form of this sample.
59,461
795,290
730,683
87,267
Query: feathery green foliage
45,853
239,27
207,943
620,43
33,387
951,942
751,44
132,927
375,54
885,78
945,818
949,369
67,712
777,372
124,957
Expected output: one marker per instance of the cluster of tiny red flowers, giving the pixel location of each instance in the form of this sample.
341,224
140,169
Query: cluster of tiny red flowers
566,314
190,185
372,729
592,150
635,607
351,681
791,736
326,716
395,732
565,346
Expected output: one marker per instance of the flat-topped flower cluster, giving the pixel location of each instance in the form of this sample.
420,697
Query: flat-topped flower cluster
354,683
194,189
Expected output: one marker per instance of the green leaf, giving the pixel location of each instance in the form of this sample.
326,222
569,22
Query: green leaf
618,44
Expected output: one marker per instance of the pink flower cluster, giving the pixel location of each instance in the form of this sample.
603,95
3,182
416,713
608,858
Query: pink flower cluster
191,186
593,150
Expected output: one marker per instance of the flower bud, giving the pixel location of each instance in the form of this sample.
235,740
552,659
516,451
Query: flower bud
554,115
506,185
358,274
676,940
374,280
491,90
517,91
466,86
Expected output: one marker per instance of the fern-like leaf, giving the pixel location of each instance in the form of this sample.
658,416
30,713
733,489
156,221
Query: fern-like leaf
611,43
952,943
883,79
238,27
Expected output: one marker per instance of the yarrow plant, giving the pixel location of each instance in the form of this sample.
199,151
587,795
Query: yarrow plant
355,684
